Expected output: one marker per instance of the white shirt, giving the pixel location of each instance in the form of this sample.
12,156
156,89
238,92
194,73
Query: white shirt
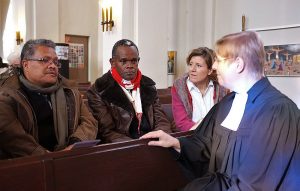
201,103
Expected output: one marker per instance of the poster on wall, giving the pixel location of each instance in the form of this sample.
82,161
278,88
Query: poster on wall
62,51
76,55
282,60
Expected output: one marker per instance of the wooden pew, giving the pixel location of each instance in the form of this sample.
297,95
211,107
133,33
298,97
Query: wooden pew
164,95
22,175
123,166
164,91
167,108
83,87
165,99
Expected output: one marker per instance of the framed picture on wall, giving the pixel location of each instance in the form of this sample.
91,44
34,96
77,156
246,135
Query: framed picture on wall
171,62
282,60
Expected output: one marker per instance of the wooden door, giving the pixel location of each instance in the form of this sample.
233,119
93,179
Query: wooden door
78,57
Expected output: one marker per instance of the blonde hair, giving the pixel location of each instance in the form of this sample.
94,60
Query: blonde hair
246,45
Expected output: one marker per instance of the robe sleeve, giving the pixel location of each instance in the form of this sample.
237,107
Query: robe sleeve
196,150
274,145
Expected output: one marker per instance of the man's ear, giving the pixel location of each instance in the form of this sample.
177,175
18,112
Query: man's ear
112,63
240,65
24,64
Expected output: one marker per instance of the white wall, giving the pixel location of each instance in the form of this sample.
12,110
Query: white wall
77,17
47,19
262,14
290,86
258,14
52,19
195,28
110,37
152,39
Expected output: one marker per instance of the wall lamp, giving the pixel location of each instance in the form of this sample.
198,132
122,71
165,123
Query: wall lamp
108,22
18,38
243,23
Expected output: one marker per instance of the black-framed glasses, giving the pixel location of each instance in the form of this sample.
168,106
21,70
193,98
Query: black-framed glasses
46,61
133,61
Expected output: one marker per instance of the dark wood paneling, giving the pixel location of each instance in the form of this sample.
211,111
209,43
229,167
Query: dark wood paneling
123,166
23,176
133,168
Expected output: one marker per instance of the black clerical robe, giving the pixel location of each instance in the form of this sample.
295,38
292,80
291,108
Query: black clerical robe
263,154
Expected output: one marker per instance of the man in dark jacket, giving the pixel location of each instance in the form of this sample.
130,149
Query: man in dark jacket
124,101
40,111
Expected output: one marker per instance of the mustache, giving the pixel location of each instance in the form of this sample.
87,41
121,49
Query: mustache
51,72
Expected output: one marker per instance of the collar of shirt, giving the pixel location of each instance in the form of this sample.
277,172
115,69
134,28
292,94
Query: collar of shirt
191,86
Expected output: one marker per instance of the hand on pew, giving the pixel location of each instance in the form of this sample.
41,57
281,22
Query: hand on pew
164,140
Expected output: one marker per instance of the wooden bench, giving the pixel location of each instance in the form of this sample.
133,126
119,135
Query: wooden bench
164,95
83,88
123,166
167,108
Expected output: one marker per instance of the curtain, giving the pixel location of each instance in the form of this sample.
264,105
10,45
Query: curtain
4,4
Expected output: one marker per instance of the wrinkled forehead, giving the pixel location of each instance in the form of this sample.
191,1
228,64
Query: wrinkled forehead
45,51
127,52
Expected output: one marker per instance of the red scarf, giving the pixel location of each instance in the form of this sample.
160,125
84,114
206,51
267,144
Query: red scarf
129,85
135,82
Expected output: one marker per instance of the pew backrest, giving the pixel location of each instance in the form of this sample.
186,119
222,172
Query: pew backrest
131,165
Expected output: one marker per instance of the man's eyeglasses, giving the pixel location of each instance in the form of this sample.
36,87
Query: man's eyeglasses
46,61
132,61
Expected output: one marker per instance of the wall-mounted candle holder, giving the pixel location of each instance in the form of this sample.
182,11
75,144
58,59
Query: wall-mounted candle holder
18,38
108,22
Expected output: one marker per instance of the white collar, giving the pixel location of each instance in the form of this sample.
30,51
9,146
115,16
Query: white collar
192,86
235,115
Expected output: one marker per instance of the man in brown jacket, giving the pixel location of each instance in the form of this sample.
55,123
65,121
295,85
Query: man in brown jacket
40,111
124,101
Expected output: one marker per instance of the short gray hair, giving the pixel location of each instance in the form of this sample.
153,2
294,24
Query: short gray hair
31,45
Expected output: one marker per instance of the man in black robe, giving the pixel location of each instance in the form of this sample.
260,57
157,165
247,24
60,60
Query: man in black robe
251,139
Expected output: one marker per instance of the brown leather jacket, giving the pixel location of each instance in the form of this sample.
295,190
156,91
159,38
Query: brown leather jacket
18,125
114,112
